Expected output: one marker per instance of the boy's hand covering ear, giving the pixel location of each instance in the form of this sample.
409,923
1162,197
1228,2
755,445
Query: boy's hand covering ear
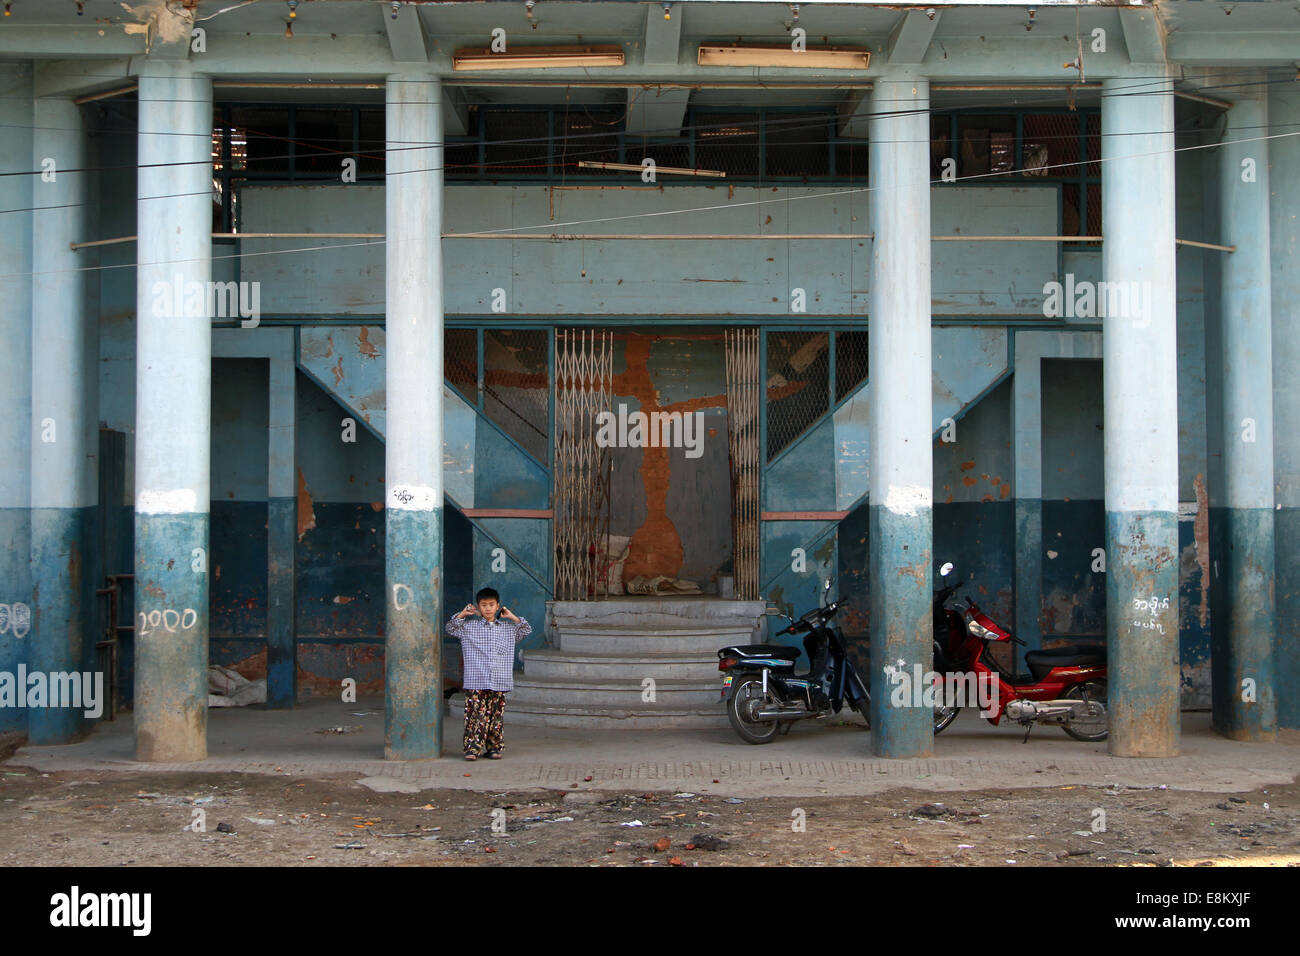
468,610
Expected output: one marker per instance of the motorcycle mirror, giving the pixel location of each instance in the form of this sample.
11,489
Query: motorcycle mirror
946,569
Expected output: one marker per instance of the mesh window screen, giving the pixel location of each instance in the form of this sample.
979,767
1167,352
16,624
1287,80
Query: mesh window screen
1051,144
987,144
371,142
850,362
516,143
516,385
940,143
798,393
322,139
851,160
460,361
1094,210
1094,144
663,153
265,134
1071,218
584,136
796,146
727,141
460,160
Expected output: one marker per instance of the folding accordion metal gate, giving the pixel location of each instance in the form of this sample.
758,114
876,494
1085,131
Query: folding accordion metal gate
584,362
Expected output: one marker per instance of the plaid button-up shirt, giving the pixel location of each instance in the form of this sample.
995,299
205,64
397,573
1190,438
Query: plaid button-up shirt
489,650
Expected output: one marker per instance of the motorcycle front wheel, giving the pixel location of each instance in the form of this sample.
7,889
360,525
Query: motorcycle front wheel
747,698
1093,728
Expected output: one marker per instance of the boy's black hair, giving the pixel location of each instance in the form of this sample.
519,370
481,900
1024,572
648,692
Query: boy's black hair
486,593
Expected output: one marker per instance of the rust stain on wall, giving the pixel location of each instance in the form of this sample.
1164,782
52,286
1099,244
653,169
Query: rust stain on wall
1201,533
364,345
306,511
338,372
656,546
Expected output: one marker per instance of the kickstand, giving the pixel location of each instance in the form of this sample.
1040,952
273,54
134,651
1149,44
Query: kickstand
1028,727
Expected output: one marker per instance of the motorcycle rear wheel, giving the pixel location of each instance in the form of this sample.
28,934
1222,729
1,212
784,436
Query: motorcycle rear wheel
943,716
1096,691
746,697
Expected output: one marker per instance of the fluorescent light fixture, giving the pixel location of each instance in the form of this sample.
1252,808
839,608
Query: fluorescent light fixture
666,170
538,57
753,54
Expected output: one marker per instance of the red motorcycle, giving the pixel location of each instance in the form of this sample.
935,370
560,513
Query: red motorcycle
1065,686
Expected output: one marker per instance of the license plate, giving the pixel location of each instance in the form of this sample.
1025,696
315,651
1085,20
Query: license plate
726,681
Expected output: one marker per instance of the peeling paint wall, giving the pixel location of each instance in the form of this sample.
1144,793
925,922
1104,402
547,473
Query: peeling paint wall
677,510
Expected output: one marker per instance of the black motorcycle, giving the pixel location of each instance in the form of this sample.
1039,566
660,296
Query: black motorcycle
766,696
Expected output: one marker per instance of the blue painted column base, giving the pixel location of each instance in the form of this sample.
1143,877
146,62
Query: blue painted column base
1142,633
62,624
902,630
1029,575
413,641
1286,637
15,588
172,625
281,636
1241,657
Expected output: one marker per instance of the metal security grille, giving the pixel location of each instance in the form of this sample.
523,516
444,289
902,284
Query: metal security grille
584,363
460,361
744,392
850,362
798,385
516,390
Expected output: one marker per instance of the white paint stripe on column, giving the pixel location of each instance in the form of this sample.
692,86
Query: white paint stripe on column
413,286
1140,349
173,352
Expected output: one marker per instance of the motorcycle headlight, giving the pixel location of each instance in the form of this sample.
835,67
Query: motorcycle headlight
978,629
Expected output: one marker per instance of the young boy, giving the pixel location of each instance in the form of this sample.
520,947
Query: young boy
488,647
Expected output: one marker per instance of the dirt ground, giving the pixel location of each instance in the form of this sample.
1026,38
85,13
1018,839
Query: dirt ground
111,819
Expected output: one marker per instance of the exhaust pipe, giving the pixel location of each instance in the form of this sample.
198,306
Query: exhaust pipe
799,714
1048,709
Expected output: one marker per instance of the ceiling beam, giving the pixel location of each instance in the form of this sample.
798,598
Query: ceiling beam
405,34
1144,35
663,38
1235,49
455,112
74,78
910,39
656,112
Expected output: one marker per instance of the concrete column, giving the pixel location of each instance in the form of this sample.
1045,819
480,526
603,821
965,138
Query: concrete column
63,461
1027,429
281,539
16,381
1284,186
902,457
1241,659
1141,419
173,413
413,437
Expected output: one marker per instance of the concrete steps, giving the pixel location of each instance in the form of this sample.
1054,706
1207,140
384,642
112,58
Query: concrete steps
574,717
606,650
623,695
559,666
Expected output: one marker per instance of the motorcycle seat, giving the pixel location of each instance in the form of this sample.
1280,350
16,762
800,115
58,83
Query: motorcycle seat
777,651
1041,662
